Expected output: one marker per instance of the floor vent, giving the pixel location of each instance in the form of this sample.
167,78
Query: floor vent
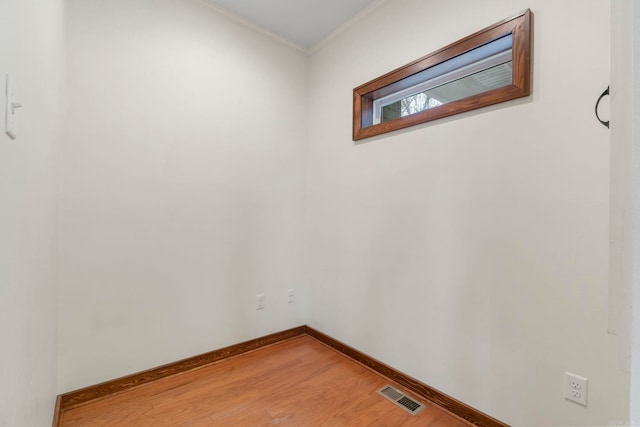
402,401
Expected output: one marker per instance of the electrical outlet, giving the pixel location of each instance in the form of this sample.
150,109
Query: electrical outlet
292,295
575,388
260,302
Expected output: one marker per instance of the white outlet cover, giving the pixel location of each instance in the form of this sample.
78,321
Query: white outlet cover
576,388
260,302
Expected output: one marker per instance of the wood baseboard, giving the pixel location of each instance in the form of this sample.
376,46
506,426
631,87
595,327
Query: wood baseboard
82,396
422,390
57,412
108,388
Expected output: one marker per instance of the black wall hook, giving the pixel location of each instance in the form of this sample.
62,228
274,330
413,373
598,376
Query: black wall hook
605,93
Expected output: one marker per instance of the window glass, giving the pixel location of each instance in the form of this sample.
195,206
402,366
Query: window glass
479,70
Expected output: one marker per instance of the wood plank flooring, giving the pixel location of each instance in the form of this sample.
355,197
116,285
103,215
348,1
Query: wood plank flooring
299,382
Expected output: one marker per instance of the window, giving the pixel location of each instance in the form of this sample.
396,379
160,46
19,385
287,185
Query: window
486,68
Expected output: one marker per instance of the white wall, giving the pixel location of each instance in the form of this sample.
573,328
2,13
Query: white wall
624,242
31,51
182,188
634,88
471,252
621,198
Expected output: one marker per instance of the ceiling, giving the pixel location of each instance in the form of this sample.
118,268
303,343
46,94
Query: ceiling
303,22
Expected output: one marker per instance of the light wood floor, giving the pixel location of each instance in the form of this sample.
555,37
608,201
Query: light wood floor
299,382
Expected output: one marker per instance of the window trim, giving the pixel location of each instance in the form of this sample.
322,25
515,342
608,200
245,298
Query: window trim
396,81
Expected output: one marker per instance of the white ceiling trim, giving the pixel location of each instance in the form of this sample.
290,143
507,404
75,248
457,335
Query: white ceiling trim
246,23
285,41
344,27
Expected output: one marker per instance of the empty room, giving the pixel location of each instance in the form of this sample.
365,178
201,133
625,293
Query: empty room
319,213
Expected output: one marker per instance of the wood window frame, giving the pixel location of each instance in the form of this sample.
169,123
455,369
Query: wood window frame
364,95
